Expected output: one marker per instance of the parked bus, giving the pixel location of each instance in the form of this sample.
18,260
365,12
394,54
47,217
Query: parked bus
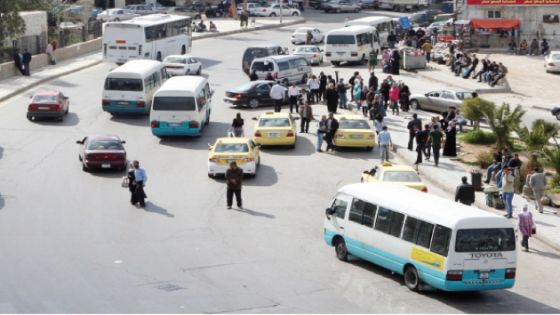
181,107
152,36
383,24
428,239
351,44
130,87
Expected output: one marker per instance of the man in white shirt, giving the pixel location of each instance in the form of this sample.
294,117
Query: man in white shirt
277,93
293,94
384,139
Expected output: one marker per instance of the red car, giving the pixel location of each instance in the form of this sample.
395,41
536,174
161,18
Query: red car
48,104
102,152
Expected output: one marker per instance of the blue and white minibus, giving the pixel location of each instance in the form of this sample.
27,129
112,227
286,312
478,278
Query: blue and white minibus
428,239
181,107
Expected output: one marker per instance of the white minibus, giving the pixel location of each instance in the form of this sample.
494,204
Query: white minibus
130,87
181,107
153,36
430,240
351,44
383,24
286,69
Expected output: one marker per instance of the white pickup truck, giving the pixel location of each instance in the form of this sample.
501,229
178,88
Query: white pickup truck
402,5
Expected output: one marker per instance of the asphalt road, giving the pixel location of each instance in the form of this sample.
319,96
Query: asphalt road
70,242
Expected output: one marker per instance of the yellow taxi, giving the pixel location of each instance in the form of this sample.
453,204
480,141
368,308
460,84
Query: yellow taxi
275,129
243,151
398,174
354,131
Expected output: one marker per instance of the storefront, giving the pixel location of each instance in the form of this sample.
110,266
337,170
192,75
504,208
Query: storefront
492,33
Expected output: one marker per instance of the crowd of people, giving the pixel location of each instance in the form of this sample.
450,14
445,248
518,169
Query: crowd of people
525,49
467,66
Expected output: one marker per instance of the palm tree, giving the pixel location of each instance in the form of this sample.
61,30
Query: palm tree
537,138
502,120
474,108
552,157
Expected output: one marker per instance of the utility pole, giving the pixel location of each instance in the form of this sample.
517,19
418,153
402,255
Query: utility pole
281,4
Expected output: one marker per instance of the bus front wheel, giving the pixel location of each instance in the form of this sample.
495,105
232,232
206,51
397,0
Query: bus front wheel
411,279
340,249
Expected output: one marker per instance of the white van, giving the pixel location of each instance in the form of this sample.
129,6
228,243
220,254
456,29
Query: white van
287,69
383,24
427,239
351,44
130,87
181,107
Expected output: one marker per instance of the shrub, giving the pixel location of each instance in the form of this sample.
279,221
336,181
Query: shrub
479,137
484,159
537,138
475,108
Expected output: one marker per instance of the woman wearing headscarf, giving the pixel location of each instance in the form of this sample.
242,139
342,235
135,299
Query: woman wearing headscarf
450,147
394,94
331,96
526,226
385,87
132,184
386,60
395,62
404,97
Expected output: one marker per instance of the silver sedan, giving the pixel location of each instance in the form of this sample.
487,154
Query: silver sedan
438,101
313,54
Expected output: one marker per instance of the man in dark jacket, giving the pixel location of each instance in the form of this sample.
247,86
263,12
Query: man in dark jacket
26,62
465,192
422,137
413,125
331,98
18,61
373,81
234,177
332,127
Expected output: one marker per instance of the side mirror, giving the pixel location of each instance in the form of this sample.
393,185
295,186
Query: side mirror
211,93
365,172
123,142
254,118
329,212
79,142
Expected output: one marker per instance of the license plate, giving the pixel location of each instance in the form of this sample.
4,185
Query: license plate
274,134
356,136
105,165
123,103
44,107
174,124
340,53
483,275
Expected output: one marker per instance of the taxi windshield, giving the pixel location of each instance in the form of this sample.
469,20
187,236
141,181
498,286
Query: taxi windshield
400,176
274,122
353,124
231,147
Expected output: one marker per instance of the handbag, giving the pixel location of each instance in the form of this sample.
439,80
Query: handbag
125,182
534,230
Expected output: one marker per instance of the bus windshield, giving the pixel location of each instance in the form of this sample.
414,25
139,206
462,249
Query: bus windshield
485,240
174,103
341,39
123,84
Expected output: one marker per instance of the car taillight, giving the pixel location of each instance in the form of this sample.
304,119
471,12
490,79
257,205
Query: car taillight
105,102
371,136
551,64
213,160
424,189
258,134
510,273
354,54
140,104
249,159
237,96
315,55
290,133
193,124
454,275
328,54
154,124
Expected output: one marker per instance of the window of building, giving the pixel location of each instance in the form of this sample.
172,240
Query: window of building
494,14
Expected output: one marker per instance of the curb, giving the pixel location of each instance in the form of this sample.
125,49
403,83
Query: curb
246,30
481,205
46,79
540,108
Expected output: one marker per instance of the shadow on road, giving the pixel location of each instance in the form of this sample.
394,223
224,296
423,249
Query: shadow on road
153,208
255,213
213,131
304,147
63,83
1,152
71,119
208,63
544,254
134,120
1,201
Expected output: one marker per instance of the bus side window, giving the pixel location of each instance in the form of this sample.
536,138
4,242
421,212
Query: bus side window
340,206
389,221
418,232
201,100
440,241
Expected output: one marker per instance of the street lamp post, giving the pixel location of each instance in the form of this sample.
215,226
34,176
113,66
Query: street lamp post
281,4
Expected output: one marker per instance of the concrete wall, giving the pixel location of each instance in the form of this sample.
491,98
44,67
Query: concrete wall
531,18
8,69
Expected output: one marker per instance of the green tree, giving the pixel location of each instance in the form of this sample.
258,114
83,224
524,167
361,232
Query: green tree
475,108
11,24
502,120
539,135
552,158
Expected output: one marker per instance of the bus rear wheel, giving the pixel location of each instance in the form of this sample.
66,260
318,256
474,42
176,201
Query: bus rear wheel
411,279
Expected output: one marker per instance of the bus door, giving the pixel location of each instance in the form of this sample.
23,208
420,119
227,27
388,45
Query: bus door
336,222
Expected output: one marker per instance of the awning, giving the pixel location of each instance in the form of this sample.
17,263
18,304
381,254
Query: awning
496,23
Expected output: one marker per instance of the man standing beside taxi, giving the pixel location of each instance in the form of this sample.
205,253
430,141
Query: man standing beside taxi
234,177
277,93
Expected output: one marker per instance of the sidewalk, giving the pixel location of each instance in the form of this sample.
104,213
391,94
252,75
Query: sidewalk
448,176
16,85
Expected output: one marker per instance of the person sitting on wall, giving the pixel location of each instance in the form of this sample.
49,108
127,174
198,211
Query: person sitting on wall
213,27
512,46
523,48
